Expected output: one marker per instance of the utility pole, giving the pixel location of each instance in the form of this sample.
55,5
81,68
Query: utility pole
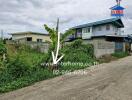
56,53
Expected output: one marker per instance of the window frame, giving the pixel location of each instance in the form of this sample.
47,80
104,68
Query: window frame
108,27
39,40
86,30
29,39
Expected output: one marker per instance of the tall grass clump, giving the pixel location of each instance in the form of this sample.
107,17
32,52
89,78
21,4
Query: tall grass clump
120,54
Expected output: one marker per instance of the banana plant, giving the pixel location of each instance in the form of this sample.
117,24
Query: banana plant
56,40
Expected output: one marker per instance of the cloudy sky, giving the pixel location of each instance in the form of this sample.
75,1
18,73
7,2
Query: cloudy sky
30,15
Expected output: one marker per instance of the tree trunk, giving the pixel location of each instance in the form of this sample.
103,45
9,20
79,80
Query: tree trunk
54,67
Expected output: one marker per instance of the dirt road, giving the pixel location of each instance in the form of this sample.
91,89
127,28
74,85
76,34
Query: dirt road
111,81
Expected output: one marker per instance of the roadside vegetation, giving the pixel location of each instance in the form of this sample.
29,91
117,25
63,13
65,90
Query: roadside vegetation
78,53
21,65
120,54
115,56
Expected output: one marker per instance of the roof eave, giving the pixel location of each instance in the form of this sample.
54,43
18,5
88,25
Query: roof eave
35,33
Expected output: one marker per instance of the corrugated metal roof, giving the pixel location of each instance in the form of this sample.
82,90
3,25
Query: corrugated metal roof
100,23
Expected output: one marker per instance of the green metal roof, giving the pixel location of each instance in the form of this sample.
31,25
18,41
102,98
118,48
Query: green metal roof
116,21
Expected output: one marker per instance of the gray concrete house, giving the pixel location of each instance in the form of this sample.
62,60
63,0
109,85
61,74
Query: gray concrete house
30,37
39,41
97,34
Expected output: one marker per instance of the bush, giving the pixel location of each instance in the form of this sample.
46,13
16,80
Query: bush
17,68
24,69
79,56
18,74
13,70
35,76
26,55
2,48
78,52
120,54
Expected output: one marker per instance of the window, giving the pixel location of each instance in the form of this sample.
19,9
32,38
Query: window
29,38
39,40
107,27
86,30
100,28
79,33
79,30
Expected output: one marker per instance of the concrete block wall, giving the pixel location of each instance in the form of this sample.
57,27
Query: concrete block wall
101,46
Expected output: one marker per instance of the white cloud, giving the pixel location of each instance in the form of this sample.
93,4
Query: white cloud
30,15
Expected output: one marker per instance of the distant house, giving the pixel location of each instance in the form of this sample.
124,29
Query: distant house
35,40
98,34
30,37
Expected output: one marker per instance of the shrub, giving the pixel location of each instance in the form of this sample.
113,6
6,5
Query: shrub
24,69
37,74
17,68
14,69
78,52
18,74
120,54
2,48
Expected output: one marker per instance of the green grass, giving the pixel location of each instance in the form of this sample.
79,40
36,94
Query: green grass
23,65
29,56
33,58
22,68
120,54
34,76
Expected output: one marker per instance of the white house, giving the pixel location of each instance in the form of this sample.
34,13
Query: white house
98,32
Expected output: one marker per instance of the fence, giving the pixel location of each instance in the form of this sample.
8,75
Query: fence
43,47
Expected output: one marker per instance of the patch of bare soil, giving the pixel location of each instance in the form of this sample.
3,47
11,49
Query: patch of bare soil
107,59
